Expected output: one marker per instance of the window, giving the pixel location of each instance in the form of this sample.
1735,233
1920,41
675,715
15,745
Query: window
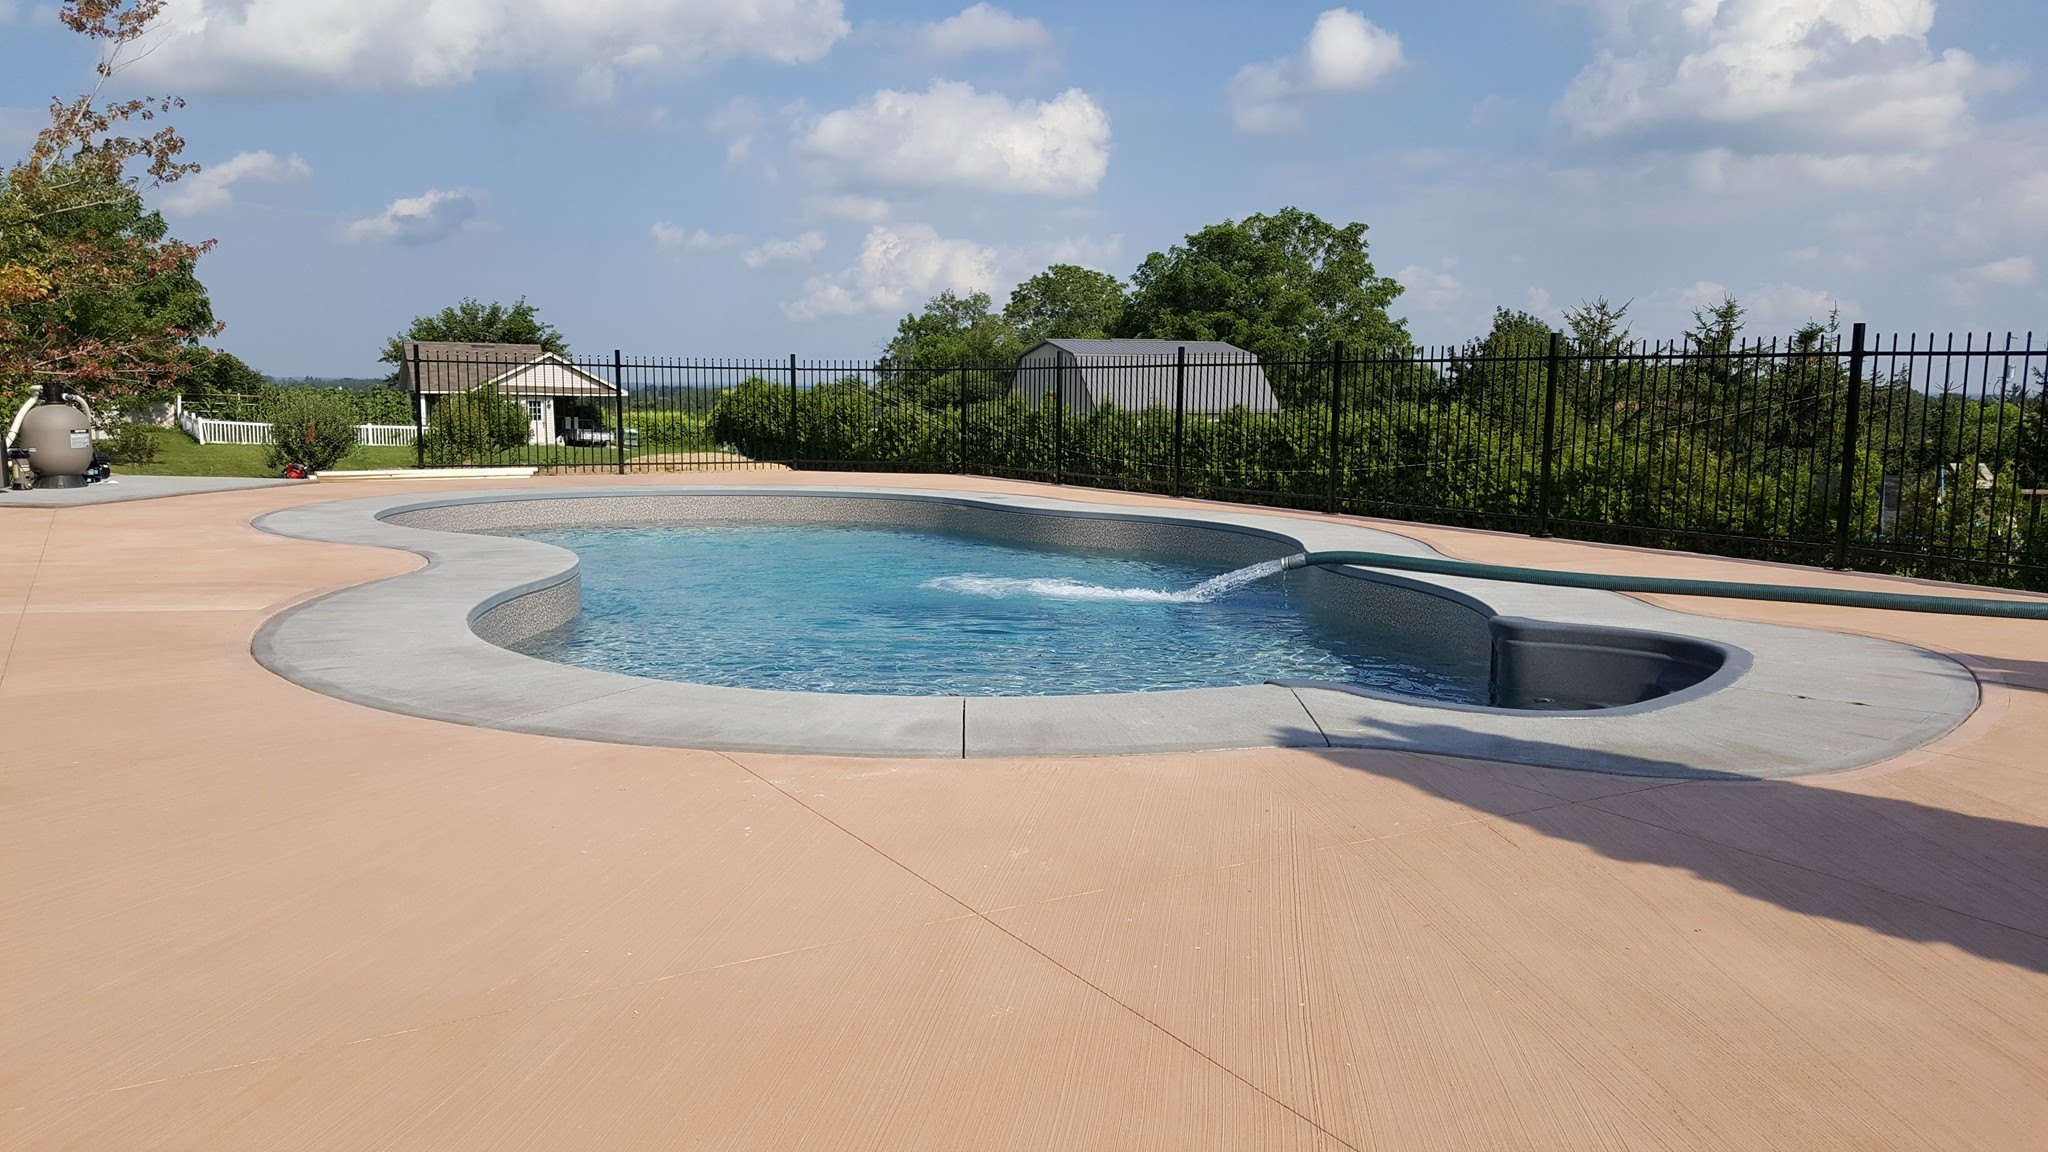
536,409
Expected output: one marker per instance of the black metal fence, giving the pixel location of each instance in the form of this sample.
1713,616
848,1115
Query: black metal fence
1902,453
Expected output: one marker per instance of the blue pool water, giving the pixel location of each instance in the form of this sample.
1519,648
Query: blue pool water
831,609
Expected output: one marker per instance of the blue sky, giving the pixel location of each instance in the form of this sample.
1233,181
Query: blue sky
756,177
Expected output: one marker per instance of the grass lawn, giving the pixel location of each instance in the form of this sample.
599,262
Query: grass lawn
179,455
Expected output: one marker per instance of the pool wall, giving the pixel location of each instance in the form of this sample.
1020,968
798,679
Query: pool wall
1686,695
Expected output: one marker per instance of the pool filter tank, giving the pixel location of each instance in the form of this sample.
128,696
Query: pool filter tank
58,440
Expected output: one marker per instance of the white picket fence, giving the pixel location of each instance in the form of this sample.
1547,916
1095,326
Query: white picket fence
384,435
255,432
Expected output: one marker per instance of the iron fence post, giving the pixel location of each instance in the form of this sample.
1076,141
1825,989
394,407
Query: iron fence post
1059,419
1180,411
789,430
419,414
1543,467
1336,418
619,408
963,417
1852,419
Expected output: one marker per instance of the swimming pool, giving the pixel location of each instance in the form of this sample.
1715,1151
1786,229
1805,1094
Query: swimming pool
1578,678
889,611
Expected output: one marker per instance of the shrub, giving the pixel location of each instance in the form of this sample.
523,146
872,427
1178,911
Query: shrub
754,418
313,430
131,443
672,431
473,428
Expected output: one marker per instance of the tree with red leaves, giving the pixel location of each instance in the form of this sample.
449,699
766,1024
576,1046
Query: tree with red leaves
95,295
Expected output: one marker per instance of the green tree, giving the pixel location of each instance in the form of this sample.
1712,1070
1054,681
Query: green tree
1714,334
930,346
1501,374
94,293
1596,327
474,322
1066,301
1286,287
1598,336
1716,328
221,385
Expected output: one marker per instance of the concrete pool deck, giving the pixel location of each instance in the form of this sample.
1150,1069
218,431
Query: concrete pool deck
245,915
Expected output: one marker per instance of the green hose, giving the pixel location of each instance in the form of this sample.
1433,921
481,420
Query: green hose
1889,601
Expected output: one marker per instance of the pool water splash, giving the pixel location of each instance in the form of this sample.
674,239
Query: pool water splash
1064,588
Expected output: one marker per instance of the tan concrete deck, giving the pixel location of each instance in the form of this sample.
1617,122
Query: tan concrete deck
240,915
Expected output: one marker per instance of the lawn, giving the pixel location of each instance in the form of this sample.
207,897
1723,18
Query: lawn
179,455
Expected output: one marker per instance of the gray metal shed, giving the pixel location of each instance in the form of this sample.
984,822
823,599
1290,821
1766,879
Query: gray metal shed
1134,375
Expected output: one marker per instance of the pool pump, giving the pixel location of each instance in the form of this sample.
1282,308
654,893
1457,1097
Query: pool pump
51,442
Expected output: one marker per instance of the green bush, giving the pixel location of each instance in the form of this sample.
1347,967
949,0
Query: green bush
313,430
131,443
474,428
754,419
672,431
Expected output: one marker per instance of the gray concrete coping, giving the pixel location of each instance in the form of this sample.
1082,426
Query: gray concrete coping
122,488
1788,701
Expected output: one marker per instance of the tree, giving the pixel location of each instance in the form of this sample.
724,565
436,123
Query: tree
473,322
1598,335
1501,374
1066,301
1714,333
1715,328
219,384
1597,328
1287,287
952,330
94,293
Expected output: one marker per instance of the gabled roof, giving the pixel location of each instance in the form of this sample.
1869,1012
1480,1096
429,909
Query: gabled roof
1134,375
515,369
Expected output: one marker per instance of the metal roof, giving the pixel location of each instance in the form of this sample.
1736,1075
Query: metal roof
1134,375
1148,348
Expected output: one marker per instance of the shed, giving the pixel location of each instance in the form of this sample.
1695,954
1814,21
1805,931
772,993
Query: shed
545,382
1134,375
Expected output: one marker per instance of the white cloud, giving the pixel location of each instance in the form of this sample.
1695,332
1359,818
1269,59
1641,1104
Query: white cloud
949,135
984,28
213,187
1778,310
1105,255
1769,311
1537,302
1819,77
899,267
861,209
1436,291
796,250
424,219
1345,52
739,120
672,238
273,46
2011,272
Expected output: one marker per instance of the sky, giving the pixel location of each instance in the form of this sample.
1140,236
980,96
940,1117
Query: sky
752,178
